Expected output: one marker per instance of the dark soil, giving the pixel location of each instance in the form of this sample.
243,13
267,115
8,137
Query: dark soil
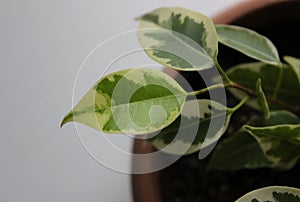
187,181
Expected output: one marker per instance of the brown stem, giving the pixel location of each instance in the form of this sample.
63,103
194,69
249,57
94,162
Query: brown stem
270,99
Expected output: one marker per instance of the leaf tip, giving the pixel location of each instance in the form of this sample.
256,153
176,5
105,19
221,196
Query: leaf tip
66,119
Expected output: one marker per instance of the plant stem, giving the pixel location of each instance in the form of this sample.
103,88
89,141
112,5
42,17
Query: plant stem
249,92
223,73
241,103
269,99
204,90
279,81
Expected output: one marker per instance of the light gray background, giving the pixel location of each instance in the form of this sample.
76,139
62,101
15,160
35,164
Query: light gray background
42,45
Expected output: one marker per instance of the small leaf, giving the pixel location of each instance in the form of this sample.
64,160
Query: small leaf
248,74
295,64
248,42
179,38
134,101
261,98
201,123
272,194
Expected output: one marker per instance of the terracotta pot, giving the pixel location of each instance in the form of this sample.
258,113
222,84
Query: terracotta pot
259,15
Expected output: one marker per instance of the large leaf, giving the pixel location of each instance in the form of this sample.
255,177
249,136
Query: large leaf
248,74
244,151
179,38
295,64
272,194
201,123
248,42
134,101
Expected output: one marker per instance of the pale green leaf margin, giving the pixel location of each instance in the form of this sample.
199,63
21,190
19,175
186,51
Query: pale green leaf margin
285,132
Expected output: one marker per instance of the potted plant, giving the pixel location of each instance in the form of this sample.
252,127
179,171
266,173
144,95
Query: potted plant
253,107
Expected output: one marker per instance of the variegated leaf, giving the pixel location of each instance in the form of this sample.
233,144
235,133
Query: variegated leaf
280,143
287,133
134,101
272,194
248,42
179,38
295,64
244,151
201,123
261,98
279,138
248,74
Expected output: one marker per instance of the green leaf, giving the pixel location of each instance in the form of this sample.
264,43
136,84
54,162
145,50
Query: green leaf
248,42
201,123
279,138
278,143
295,64
134,101
179,38
237,152
287,133
243,151
272,194
248,74
261,99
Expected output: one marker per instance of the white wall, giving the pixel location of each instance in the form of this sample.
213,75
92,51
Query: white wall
42,45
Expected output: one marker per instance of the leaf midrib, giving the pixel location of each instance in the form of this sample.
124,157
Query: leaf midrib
81,111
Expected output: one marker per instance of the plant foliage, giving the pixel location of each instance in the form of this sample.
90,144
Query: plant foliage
146,101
